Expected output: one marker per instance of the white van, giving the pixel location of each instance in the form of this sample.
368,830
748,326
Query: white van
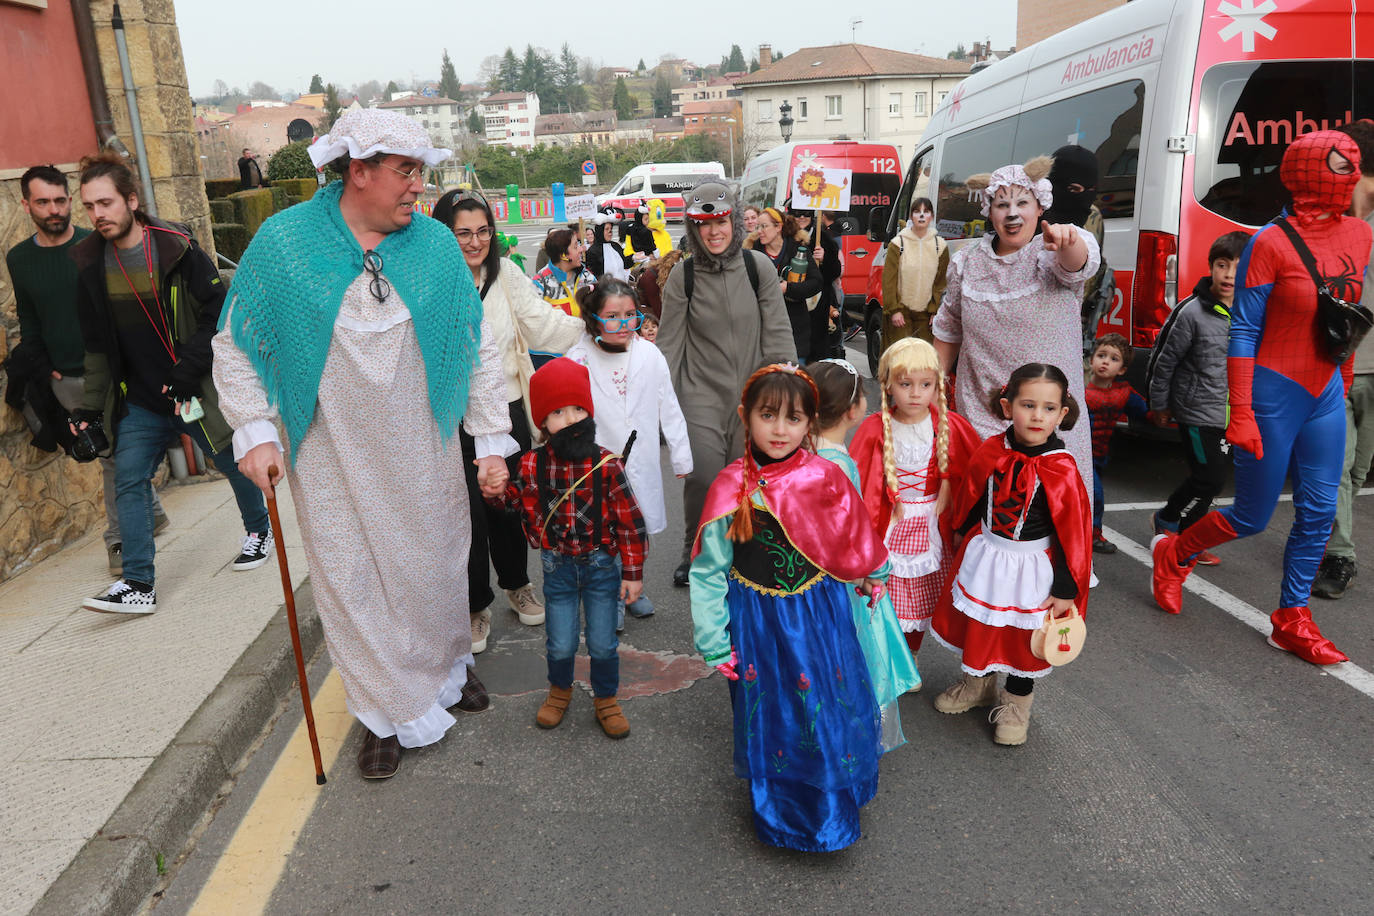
1188,105
665,180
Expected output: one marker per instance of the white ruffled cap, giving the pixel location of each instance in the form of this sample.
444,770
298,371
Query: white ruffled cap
368,131
1014,176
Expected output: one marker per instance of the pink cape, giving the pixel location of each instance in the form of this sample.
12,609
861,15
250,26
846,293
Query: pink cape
819,509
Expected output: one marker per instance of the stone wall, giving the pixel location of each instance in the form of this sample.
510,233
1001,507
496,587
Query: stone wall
49,500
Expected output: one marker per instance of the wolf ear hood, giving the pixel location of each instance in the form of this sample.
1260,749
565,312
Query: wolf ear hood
706,202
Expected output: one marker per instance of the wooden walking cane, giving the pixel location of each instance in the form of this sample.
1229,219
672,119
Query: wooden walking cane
295,629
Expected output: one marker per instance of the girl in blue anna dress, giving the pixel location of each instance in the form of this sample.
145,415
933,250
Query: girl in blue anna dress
782,534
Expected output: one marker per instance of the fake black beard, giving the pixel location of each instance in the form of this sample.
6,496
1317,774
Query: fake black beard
576,442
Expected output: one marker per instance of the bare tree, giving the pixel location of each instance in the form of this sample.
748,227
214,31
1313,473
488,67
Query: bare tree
221,89
261,90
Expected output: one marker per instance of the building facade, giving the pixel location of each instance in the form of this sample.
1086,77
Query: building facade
510,118
848,91
580,128
712,90
440,117
719,119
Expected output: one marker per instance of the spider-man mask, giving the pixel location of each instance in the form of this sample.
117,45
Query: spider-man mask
1320,170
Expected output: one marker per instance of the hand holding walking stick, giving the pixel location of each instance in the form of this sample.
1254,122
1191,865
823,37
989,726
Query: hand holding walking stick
295,629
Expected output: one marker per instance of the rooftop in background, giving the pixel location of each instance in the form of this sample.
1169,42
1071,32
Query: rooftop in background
504,97
848,61
410,101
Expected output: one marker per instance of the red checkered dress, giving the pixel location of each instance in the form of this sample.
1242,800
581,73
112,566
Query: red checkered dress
910,538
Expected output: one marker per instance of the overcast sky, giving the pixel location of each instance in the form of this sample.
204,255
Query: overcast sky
283,42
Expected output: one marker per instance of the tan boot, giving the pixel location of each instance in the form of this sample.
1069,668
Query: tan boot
555,704
613,721
967,693
1012,718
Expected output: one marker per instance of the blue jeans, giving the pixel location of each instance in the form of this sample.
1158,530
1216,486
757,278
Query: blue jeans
141,440
593,582
1099,494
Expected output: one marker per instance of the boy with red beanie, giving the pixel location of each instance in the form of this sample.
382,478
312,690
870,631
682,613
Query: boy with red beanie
578,510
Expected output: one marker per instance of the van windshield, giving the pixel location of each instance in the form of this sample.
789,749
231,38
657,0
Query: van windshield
1250,112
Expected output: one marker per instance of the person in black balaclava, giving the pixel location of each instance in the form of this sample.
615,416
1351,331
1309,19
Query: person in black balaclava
1073,178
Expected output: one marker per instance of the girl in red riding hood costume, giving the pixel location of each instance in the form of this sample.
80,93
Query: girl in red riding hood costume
1287,396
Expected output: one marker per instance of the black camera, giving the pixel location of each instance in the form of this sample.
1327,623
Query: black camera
91,442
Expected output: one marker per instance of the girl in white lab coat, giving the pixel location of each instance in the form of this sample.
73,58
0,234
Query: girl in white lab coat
632,392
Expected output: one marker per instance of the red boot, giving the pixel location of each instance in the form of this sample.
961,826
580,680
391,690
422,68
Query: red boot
1295,631
1168,576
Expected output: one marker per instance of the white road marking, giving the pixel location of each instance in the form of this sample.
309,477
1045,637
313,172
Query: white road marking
1138,507
1347,672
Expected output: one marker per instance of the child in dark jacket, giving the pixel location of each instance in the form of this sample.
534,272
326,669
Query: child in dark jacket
1187,384
1109,397
578,510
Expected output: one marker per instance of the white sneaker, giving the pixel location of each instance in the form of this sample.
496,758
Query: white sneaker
481,629
257,550
123,598
526,606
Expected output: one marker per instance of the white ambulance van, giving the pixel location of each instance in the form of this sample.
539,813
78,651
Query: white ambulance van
1188,105
663,180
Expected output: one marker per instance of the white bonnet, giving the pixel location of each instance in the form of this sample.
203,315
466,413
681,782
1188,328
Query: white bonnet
365,132
1014,176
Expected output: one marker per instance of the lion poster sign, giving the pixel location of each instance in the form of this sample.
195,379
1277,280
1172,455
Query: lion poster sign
817,188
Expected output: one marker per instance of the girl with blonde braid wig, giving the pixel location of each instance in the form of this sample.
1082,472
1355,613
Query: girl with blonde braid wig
783,536
907,454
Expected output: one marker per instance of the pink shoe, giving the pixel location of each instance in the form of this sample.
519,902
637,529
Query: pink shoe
1295,631
1168,576
1207,558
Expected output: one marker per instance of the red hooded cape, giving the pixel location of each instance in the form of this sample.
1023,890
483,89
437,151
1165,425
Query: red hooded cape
867,451
817,506
1070,510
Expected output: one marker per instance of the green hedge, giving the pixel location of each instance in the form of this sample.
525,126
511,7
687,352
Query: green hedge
299,188
216,188
221,210
279,201
231,239
252,208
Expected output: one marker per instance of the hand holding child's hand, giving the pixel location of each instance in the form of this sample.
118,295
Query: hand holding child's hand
492,475
631,591
1161,418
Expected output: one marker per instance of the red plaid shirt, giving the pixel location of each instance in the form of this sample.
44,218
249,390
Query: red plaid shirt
572,528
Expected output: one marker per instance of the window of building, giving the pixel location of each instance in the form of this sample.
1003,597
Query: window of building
940,97
801,109
894,104
919,107
834,106
765,109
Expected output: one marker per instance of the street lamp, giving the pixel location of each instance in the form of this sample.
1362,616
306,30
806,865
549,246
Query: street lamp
732,122
785,122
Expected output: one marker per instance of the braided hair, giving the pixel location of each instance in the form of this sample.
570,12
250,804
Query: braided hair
905,357
780,386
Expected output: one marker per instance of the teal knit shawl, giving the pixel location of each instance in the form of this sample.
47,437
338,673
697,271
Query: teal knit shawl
289,286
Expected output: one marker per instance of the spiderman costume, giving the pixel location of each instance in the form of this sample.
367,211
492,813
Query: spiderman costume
1287,398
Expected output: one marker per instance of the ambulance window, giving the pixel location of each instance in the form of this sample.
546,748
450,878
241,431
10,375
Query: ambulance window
983,149
1248,113
1106,121
916,185
760,194
633,185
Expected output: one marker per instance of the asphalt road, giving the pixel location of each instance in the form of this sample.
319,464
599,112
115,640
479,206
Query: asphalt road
1180,765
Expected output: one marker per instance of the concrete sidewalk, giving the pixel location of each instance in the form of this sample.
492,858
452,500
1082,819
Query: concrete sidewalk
95,703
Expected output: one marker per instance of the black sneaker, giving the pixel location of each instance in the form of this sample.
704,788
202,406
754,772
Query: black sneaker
1333,577
257,549
680,575
124,597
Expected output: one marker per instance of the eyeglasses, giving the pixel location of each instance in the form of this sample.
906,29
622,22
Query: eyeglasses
615,325
464,236
378,285
415,174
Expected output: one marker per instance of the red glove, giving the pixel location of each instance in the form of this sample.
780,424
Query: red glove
1242,431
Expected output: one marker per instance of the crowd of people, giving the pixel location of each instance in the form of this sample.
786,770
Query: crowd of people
359,338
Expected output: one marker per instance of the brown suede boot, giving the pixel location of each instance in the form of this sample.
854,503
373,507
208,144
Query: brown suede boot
966,693
1012,718
613,721
555,704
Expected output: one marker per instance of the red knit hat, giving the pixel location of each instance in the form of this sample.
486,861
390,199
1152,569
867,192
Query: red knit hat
560,383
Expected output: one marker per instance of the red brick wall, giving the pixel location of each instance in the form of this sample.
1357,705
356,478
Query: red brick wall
1039,19
49,118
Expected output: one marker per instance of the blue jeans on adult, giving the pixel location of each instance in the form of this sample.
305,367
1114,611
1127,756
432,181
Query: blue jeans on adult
141,440
1099,494
593,582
